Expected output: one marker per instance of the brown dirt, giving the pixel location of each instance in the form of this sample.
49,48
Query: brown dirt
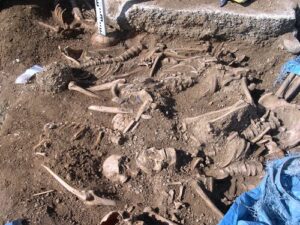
24,111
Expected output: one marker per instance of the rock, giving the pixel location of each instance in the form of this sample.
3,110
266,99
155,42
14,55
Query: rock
55,78
291,43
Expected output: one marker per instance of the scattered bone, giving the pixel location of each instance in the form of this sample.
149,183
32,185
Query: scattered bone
76,11
155,64
106,86
41,154
55,29
106,109
43,193
88,197
99,138
152,160
171,195
293,89
284,86
248,168
121,121
112,218
205,198
246,91
158,217
72,86
181,191
114,168
213,83
79,133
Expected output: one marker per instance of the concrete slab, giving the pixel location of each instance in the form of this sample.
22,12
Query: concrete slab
198,19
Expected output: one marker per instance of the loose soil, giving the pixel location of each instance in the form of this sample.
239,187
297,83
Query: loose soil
25,110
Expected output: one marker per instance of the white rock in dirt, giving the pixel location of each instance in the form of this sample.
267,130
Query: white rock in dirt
114,168
291,43
152,160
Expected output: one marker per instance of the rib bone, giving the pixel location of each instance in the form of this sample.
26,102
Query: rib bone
87,196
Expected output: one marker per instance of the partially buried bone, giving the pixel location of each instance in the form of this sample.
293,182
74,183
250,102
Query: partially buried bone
256,130
152,160
284,86
234,149
271,102
205,198
106,86
72,86
203,127
114,168
246,91
121,121
106,109
88,197
293,89
247,168
158,217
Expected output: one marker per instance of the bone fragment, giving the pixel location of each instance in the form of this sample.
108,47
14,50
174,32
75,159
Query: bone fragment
88,197
76,11
98,139
158,217
106,109
72,86
181,191
213,83
79,133
106,86
42,193
246,91
155,64
260,136
293,89
208,202
284,86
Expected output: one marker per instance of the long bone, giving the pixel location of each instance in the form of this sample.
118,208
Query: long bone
283,88
72,86
87,196
293,89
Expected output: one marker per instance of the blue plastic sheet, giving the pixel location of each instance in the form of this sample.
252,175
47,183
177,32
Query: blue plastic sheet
291,66
276,201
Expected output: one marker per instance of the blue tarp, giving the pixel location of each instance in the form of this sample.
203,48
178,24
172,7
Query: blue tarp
291,66
276,201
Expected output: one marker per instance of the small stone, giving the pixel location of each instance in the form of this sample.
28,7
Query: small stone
291,43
